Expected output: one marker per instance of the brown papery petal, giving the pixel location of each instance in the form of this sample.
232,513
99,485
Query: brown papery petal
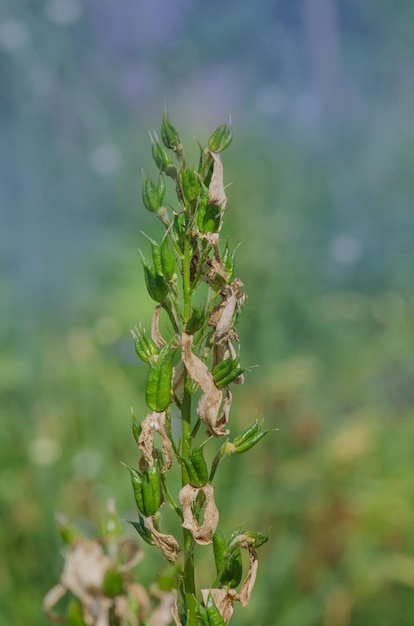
223,599
197,370
178,380
156,336
216,193
155,422
167,543
174,613
202,534
231,295
209,404
248,583
161,616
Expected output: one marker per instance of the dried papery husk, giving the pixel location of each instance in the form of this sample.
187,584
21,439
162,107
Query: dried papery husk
248,583
156,336
83,575
217,427
209,404
202,534
216,193
155,422
197,370
174,613
134,554
216,262
161,615
223,599
50,600
178,380
167,543
222,316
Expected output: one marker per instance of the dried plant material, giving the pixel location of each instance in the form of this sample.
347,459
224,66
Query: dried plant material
223,599
216,261
131,550
216,193
248,583
50,600
167,543
219,427
197,370
178,380
156,336
174,613
209,404
155,422
161,615
187,496
222,316
83,575
124,610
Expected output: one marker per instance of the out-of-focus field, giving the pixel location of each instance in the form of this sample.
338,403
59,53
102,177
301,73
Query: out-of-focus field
322,203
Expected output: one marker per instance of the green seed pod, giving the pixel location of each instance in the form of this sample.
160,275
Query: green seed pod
169,135
195,322
213,613
219,548
256,539
221,138
153,194
179,230
234,373
191,472
158,389
228,260
190,184
156,284
156,258
249,443
144,346
246,434
167,259
233,570
222,369
249,437
199,463
151,490
136,428
136,480
161,157
209,220
202,614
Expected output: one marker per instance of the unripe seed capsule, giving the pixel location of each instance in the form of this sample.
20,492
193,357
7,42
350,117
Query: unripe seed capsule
221,138
169,135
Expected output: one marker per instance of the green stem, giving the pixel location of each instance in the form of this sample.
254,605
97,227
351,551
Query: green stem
189,579
186,279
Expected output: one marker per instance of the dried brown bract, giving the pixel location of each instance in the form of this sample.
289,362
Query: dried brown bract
202,534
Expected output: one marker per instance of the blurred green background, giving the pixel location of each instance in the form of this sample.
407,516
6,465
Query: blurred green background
321,94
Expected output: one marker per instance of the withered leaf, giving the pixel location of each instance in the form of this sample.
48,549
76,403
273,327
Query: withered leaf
167,543
155,423
202,534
